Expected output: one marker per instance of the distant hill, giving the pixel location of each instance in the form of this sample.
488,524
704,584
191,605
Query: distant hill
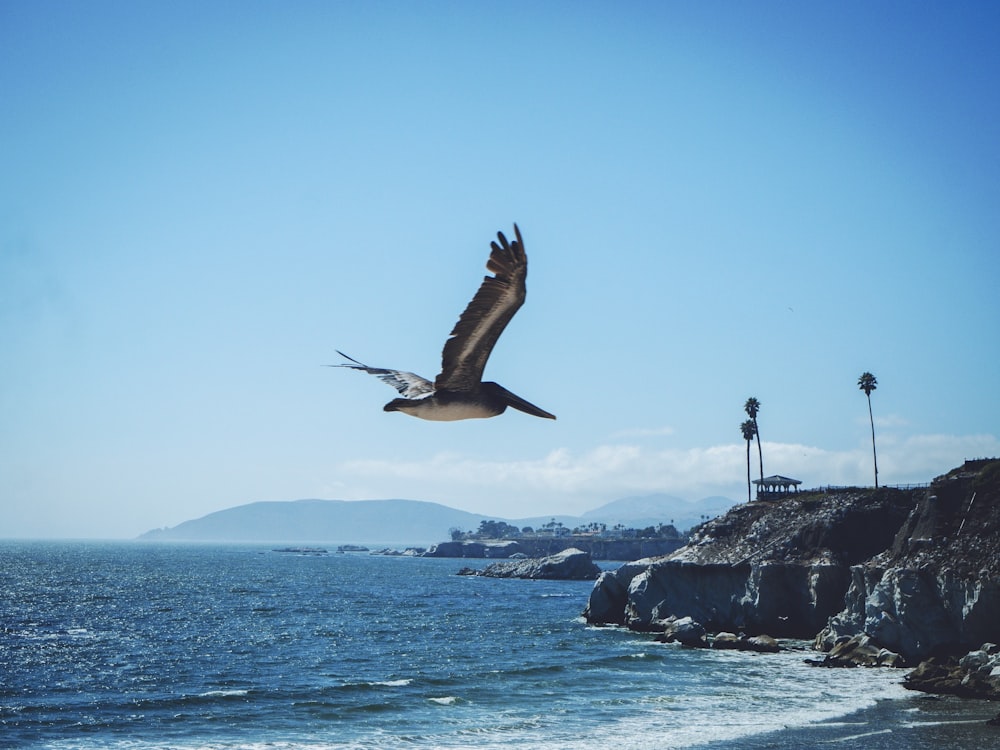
650,510
388,522
408,522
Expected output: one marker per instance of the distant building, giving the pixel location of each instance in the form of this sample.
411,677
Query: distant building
774,486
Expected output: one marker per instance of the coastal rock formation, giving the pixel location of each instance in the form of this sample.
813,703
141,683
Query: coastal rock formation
408,552
599,549
762,644
936,589
727,641
689,633
685,631
607,602
568,565
975,675
779,567
858,651
475,549
908,571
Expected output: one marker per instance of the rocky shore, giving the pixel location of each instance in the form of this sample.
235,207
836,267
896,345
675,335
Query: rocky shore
975,675
598,548
567,565
873,576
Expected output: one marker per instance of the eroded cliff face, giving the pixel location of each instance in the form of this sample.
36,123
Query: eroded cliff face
916,570
936,589
780,567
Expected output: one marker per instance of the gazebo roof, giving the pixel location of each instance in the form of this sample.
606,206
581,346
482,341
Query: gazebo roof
776,480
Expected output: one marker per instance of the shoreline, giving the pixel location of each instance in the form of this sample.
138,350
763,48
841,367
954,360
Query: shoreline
943,722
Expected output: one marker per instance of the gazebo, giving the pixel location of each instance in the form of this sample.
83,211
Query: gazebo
776,486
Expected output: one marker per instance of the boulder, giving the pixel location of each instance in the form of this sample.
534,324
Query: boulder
568,565
858,651
763,644
685,631
726,640
975,675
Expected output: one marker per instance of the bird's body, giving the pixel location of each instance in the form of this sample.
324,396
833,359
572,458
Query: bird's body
459,392
450,406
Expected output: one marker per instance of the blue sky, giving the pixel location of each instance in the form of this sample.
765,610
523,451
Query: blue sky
200,202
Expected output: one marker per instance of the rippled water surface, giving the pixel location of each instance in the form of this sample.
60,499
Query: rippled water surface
131,645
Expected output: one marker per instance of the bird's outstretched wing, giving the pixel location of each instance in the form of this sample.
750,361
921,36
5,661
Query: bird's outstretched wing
407,383
477,330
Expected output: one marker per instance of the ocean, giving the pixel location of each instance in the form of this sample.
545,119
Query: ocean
129,645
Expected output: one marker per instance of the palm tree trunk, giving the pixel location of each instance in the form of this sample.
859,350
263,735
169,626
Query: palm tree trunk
874,456
749,498
760,455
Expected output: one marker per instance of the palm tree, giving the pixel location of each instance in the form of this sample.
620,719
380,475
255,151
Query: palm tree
748,431
751,407
868,383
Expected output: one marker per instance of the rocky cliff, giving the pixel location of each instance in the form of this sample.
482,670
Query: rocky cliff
916,569
780,567
936,589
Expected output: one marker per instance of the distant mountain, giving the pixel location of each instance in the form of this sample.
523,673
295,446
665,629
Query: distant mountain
651,510
388,522
408,522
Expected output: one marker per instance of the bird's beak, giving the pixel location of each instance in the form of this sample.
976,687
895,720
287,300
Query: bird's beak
528,408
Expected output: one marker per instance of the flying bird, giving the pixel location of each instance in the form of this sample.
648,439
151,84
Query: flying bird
458,392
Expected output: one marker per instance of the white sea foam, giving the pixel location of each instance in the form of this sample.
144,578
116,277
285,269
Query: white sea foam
728,712
392,683
222,693
851,738
448,700
920,724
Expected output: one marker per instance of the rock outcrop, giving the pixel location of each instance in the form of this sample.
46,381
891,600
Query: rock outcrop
858,651
685,631
476,549
763,644
936,589
905,572
599,548
568,565
975,675
609,598
778,567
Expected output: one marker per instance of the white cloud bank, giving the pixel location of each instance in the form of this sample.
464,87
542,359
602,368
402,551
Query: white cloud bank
567,482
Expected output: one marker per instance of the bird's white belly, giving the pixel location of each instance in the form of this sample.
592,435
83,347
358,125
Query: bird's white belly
437,412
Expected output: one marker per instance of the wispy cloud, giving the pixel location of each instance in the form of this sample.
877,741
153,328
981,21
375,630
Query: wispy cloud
643,432
885,421
564,480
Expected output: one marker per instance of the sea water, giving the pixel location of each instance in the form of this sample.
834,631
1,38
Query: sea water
201,647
